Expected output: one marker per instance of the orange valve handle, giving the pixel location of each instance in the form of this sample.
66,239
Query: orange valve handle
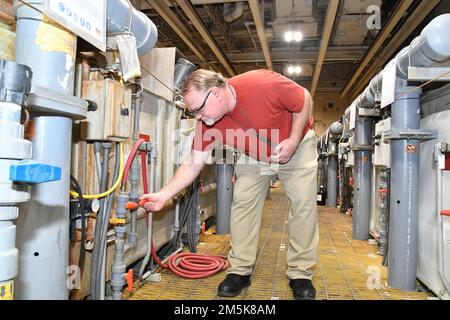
129,280
445,213
131,205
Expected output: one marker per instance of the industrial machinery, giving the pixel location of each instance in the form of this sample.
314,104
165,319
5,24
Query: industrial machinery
398,137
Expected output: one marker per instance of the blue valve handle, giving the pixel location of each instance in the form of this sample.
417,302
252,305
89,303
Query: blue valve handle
32,173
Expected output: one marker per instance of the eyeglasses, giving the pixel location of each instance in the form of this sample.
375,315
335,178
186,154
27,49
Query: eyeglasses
196,112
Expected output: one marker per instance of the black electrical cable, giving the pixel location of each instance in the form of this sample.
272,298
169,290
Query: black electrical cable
78,190
192,234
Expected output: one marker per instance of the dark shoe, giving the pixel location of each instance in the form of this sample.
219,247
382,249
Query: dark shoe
302,289
233,285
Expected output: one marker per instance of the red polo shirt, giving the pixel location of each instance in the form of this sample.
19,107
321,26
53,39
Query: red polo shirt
266,101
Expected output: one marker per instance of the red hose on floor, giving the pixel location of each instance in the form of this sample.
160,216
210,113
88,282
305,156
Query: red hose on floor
186,265
196,265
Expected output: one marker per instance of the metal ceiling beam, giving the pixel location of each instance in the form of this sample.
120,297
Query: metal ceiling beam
193,16
333,6
381,38
174,22
410,25
341,55
259,23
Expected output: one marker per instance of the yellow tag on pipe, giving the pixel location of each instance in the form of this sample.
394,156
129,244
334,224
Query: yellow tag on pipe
7,290
117,221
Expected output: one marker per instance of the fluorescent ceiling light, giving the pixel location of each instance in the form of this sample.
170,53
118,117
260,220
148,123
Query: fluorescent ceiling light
288,36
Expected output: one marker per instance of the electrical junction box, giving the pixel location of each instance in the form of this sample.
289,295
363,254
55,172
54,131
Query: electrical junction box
112,119
382,151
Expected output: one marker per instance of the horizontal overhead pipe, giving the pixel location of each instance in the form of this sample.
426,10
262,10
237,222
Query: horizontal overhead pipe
429,49
123,17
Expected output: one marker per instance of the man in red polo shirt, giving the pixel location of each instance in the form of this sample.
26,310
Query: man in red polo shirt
266,117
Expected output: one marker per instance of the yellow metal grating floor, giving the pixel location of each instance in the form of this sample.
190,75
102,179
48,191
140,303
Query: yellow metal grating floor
342,272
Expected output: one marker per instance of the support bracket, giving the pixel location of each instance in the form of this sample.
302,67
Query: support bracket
366,112
362,148
410,134
431,73
47,101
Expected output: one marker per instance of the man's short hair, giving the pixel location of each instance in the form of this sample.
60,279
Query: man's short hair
203,80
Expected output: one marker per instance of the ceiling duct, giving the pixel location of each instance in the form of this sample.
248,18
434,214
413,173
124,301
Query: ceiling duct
233,11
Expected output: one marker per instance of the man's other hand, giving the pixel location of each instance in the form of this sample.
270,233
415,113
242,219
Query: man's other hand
284,151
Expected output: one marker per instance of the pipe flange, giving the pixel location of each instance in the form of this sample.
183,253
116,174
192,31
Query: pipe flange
19,149
362,148
9,213
410,134
332,154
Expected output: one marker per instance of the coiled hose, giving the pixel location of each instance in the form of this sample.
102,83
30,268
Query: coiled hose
186,265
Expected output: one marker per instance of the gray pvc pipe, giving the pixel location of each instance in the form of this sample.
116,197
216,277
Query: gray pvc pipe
51,69
332,176
43,228
363,180
224,197
122,16
430,48
403,226
97,256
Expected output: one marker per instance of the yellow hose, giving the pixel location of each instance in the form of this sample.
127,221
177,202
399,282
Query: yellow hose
113,188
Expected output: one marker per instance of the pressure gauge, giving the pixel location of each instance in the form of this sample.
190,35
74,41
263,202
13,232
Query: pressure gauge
95,205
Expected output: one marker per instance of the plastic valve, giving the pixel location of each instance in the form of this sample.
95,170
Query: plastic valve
32,173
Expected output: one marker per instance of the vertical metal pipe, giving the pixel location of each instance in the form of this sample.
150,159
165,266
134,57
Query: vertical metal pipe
403,226
363,180
224,197
332,182
43,228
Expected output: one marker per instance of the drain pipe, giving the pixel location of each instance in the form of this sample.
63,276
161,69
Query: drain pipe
97,270
134,172
233,11
224,171
430,48
332,160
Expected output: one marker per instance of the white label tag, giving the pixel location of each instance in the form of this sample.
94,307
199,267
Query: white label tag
319,197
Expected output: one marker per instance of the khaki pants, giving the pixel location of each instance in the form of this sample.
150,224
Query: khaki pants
299,181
